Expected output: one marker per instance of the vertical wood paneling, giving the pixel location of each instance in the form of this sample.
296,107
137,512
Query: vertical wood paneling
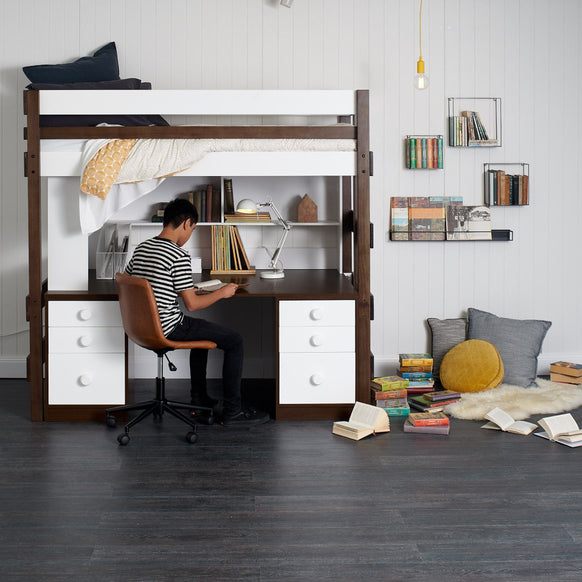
520,50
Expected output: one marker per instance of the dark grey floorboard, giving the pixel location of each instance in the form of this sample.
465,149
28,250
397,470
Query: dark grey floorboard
286,501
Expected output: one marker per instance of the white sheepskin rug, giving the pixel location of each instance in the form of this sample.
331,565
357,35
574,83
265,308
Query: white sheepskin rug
547,398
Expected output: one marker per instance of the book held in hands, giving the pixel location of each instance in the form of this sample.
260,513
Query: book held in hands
364,420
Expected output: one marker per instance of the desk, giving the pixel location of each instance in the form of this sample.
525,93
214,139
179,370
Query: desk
315,345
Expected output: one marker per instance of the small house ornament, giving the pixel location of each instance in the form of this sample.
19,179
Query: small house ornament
306,210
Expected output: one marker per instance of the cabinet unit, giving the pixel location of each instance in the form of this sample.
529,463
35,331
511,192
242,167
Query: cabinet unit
316,352
86,356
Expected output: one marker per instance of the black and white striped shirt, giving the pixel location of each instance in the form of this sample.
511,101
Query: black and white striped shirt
168,268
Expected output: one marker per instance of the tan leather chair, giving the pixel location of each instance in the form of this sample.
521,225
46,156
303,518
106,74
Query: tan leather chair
139,313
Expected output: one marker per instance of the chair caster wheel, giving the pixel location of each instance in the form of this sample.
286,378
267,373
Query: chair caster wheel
123,439
110,420
191,437
210,419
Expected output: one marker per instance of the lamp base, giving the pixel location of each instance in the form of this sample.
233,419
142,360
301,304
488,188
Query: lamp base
272,275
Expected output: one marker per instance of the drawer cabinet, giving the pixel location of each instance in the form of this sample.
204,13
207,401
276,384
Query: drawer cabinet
86,353
317,360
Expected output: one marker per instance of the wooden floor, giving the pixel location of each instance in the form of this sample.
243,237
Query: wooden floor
283,501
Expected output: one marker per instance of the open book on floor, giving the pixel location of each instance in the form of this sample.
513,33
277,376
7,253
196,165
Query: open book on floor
364,420
561,428
501,420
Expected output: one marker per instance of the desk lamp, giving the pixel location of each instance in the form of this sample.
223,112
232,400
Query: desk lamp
247,206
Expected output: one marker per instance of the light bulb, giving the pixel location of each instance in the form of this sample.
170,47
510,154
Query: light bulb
420,79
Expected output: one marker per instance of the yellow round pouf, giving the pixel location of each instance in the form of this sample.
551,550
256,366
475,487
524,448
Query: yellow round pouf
471,366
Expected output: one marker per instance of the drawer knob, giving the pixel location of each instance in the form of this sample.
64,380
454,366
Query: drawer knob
85,314
85,379
85,341
316,314
316,340
316,379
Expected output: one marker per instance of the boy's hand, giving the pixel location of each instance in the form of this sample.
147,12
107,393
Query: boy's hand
228,290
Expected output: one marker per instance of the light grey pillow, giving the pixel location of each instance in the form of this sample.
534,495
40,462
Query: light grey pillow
519,342
445,334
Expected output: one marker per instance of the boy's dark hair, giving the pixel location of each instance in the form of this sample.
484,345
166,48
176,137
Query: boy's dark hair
179,210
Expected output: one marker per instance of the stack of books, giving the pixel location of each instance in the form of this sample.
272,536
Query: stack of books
566,372
427,423
433,401
417,369
390,393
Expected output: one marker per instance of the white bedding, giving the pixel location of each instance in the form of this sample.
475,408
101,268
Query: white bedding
151,160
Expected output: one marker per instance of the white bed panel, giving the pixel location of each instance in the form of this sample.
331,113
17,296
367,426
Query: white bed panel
203,102
61,163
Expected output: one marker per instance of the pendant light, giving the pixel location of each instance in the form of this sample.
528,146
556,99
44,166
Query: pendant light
420,79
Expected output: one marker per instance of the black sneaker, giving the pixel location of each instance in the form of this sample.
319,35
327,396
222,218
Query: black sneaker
203,400
246,417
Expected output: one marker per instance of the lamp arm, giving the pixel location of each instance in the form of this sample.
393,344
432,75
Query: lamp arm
280,218
280,245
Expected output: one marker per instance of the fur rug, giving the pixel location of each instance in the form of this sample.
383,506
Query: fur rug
547,398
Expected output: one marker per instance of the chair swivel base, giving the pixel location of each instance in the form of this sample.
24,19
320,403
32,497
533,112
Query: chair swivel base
157,407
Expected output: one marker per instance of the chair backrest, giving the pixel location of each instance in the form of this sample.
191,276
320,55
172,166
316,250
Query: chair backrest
139,312
140,317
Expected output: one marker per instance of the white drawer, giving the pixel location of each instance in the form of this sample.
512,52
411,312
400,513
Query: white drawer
297,313
317,339
317,378
68,340
90,379
84,313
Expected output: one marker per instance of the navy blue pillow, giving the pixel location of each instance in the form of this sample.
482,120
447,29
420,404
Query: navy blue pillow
90,120
102,66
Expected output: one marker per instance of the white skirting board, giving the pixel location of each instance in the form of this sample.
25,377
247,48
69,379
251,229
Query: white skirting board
12,368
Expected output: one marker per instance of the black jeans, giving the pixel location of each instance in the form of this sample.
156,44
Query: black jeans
230,342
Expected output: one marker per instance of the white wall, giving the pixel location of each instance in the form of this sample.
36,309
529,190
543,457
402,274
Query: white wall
519,50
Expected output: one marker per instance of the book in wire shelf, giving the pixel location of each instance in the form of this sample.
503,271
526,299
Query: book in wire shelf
506,184
474,121
424,152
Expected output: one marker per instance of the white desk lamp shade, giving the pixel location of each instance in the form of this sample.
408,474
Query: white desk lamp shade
247,206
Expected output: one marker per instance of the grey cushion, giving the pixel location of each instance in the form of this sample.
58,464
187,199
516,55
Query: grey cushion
519,342
445,334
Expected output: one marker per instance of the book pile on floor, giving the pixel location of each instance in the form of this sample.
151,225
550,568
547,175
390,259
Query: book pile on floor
566,372
433,401
390,393
417,369
427,423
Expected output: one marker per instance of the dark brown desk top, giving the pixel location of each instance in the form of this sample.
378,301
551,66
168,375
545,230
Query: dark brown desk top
297,284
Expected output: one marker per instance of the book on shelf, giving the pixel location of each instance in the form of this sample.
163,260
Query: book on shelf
379,394
228,253
506,189
442,429
468,223
228,196
467,129
261,217
399,227
438,418
424,152
415,359
364,420
501,420
566,368
563,379
389,382
442,395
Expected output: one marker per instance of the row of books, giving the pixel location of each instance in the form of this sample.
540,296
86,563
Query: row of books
566,372
424,152
504,189
228,253
467,129
441,220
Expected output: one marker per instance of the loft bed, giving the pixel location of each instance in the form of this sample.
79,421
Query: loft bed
54,153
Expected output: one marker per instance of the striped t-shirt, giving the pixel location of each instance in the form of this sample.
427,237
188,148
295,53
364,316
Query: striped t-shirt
168,268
